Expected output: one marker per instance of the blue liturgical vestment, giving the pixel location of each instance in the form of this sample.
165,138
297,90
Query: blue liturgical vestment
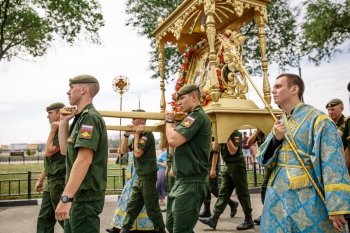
292,203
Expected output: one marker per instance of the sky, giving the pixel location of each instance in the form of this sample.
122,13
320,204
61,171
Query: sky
28,85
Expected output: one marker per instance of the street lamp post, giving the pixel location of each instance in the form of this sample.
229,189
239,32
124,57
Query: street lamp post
120,84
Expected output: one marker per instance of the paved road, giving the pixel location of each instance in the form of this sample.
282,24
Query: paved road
23,219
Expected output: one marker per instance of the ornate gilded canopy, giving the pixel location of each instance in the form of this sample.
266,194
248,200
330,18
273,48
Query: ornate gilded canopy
186,25
207,32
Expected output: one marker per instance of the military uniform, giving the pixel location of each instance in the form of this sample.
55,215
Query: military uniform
341,122
233,176
88,130
346,134
213,188
346,143
190,166
213,183
170,180
144,192
55,169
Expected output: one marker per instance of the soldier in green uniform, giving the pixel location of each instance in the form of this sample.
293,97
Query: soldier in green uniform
234,175
191,140
86,149
54,170
144,192
335,109
213,186
346,139
346,143
170,179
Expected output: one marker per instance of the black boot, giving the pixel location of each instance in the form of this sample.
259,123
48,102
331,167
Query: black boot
212,221
206,211
113,230
233,205
257,220
125,230
247,224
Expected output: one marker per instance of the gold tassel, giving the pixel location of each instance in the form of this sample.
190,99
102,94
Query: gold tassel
299,182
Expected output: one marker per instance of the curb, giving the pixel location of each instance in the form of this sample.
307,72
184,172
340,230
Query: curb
13,203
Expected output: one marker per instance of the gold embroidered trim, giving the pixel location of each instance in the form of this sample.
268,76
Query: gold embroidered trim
293,166
339,212
321,118
337,187
302,121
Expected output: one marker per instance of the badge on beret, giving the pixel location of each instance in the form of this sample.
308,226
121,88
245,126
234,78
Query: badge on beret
86,131
237,139
188,121
143,140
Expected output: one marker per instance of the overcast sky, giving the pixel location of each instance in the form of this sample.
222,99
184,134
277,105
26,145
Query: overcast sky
28,86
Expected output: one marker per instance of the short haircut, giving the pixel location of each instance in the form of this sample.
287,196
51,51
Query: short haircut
94,88
198,93
294,79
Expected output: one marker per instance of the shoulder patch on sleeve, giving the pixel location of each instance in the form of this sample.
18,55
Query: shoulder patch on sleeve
188,121
237,139
86,131
143,140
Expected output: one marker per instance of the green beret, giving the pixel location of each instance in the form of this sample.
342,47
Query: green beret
82,79
57,105
333,102
185,89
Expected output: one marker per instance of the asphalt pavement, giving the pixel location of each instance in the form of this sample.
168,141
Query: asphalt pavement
23,218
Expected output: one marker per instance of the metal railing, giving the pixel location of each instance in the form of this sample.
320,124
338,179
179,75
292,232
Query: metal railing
7,159
23,185
21,159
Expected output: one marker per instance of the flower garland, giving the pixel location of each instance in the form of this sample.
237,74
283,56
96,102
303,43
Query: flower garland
220,64
205,96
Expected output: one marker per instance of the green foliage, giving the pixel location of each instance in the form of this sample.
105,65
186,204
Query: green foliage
144,16
281,38
29,26
326,28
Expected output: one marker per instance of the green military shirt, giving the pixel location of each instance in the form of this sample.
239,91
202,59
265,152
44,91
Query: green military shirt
236,138
88,130
341,123
191,158
346,134
146,165
55,166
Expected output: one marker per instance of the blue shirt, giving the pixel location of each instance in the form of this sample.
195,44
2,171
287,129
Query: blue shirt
162,159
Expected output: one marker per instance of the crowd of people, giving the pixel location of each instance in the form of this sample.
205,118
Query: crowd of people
306,156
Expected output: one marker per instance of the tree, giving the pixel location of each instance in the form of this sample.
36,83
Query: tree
29,26
326,29
144,16
281,38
